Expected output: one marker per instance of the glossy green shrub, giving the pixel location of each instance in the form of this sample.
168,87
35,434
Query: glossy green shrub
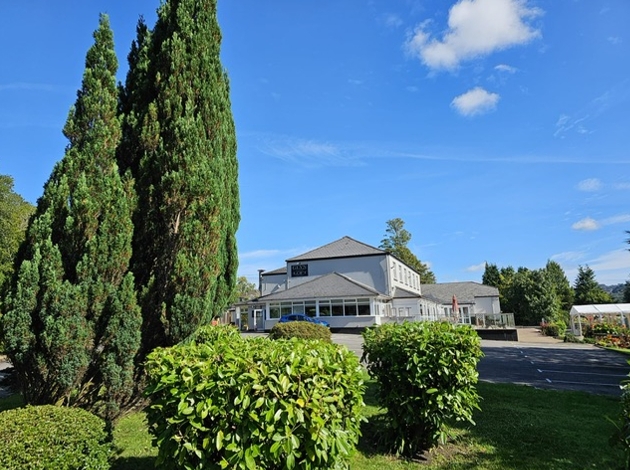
254,404
621,436
426,374
213,333
52,437
300,329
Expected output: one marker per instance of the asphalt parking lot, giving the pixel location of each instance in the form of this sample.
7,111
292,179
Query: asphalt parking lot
548,365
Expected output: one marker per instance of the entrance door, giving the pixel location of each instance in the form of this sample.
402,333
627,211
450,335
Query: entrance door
258,319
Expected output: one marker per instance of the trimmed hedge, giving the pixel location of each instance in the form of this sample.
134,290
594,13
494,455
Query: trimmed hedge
52,437
254,404
300,329
426,374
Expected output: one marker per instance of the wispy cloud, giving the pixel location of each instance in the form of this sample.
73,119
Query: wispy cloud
590,224
614,40
392,20
505,68
474,102
590,185
310,153
571,256
475,28
26,86
316,153
617,259
577,121
476,267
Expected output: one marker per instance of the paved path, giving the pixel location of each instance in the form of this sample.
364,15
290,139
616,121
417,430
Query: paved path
541,362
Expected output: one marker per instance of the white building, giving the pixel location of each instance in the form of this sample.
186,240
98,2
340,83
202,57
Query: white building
347,283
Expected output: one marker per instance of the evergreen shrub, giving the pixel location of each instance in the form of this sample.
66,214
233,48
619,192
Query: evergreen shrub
52,437
213,333
426,374
621,436
254,404
555,328
300,329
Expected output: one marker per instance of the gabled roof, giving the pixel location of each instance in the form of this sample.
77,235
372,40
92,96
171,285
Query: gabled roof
400,293
333,285
464,291
345,247
282,270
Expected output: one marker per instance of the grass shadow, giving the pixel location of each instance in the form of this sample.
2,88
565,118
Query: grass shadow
133,463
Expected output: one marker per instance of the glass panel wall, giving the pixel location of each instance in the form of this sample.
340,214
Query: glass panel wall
337,307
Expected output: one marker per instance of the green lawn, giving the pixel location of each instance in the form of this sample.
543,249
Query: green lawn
518,428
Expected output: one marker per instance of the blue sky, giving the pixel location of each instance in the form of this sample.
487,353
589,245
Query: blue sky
498,130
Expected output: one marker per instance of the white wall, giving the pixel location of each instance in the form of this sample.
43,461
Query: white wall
486,305
273,283
368,270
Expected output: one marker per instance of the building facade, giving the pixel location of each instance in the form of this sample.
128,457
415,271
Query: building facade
348,283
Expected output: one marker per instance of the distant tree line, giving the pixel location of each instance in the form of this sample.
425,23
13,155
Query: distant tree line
534,295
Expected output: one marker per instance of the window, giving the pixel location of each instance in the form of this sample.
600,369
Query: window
310,308
350,308
298,307
285,308
324,308
395,277
274,311
337,307
363,306
400,273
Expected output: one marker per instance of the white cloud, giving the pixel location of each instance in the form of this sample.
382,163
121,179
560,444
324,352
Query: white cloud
505,68
353,81
476,267
614,40
586,224
475,101
589,223
590,185
622,186
475,28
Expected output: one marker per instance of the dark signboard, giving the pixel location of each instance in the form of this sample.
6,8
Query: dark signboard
299,270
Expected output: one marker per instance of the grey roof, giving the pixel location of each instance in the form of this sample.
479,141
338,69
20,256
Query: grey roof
343,248
464,291
328,286
282,270
400,293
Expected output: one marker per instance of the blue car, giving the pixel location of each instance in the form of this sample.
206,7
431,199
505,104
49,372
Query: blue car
302,317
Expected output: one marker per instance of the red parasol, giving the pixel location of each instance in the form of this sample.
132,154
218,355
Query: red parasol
455,309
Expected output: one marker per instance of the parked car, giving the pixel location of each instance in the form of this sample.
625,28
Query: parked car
302,317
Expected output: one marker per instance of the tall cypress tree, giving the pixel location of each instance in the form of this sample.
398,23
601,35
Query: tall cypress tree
71,323
185,257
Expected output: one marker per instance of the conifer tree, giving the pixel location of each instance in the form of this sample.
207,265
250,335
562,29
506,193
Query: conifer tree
587,290
72,324
185,257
